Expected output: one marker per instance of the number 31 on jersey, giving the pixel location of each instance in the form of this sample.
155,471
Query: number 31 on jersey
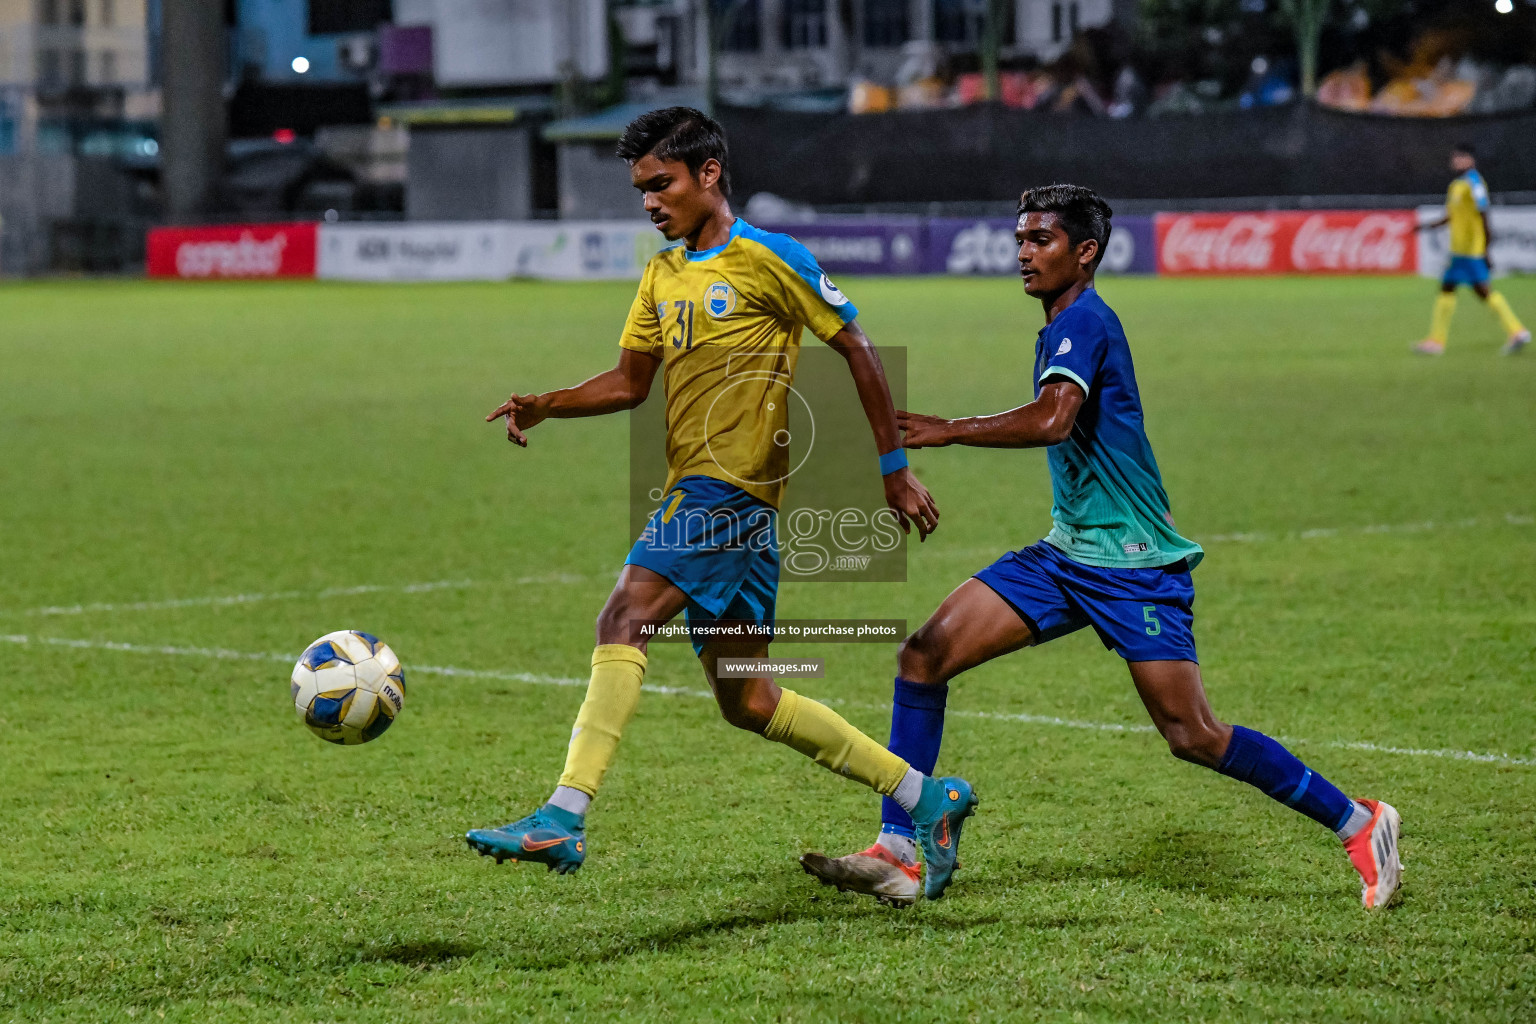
676,322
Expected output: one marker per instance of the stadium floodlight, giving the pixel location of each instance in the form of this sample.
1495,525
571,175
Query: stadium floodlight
301,64
1504,6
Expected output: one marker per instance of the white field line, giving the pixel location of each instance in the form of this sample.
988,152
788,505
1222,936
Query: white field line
223,600
1323,532
1427,526
222,654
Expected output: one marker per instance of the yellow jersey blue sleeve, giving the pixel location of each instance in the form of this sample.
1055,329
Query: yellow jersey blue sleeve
642,328
794,284
1465,204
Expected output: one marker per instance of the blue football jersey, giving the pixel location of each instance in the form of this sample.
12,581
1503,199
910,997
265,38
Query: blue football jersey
1110,508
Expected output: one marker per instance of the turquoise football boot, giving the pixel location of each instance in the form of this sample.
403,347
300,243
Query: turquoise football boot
936,820
541,837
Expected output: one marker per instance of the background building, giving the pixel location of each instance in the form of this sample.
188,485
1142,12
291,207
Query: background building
70,68
466,109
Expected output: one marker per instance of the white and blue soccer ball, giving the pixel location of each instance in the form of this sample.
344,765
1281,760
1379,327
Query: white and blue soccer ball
348,687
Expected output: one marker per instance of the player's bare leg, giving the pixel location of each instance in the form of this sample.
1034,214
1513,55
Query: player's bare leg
1174,696
555,834
972,626
746,703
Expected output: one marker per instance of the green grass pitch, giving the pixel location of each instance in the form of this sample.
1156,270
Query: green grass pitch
190,470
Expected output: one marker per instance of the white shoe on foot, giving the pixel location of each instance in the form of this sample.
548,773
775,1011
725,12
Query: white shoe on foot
1516,342
875,872
1373,851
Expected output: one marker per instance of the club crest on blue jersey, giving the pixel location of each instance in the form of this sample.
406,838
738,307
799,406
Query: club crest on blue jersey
720,300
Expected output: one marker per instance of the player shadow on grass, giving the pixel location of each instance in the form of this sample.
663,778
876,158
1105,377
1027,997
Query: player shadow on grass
425,955
1179,861
792,904
794,910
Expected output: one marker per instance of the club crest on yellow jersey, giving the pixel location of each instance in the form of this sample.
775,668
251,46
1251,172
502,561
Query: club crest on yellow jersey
720,300
831,292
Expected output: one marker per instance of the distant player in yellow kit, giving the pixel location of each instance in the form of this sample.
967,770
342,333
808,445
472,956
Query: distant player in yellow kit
1466,211
720,316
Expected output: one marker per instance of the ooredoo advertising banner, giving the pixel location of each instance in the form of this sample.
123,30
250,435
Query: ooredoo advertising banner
1289,242
986,245
238,251
1513,248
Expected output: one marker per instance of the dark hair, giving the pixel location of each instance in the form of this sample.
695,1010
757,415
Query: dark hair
677,133
1465,147
1082,213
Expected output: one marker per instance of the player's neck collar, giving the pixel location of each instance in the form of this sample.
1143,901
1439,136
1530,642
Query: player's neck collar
694,255
1085,293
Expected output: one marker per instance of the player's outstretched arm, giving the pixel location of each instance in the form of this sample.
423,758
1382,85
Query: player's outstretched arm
1046,421
623,387
905,496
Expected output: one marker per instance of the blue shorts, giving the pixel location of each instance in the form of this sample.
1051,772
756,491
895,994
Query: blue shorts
1140,614
717,544
1467,270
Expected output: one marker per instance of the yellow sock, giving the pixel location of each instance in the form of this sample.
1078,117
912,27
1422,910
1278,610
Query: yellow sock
1507,318
612,696
1440,322
825,737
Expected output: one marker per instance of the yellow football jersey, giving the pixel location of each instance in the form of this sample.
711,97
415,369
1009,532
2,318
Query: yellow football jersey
1465,202
726,323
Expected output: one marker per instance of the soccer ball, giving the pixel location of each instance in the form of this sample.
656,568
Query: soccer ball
348,687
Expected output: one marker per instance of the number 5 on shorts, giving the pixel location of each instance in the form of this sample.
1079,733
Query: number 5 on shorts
1149,616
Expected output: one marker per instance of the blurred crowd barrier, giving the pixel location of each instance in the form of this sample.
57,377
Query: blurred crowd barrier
990,152
1267,242
1513,248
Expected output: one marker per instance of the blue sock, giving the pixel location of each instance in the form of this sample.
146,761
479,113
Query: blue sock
1256,759
917,729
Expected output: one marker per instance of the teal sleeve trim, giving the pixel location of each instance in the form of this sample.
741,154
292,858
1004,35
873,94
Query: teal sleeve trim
1062,371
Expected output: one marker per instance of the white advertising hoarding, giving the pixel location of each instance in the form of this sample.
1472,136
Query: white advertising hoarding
567,250
1514,240
486,250
474,251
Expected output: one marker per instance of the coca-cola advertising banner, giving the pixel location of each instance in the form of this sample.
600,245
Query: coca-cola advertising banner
1288,242
239,251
